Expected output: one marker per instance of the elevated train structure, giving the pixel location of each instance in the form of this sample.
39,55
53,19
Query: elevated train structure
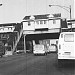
42,27
20,36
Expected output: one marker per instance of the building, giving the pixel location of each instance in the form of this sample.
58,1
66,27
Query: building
71,24
41,27
10,34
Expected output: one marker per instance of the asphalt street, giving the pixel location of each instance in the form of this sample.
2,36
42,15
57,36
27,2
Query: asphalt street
28,64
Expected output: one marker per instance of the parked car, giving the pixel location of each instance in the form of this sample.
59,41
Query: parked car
39,49
19,51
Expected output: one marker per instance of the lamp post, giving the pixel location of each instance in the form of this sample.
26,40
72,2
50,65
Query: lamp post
64,7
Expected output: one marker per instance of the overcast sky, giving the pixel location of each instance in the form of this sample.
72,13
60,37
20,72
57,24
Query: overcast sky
74,8
15,10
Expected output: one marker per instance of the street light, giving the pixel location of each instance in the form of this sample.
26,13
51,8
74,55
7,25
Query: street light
64,7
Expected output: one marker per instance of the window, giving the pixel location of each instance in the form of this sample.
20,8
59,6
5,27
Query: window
10,28
61,35
69,37
41,22
45,21
4,36
1,35
36,41
37,22
29,23
54,21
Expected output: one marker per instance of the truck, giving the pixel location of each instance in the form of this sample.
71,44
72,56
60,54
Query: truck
66,46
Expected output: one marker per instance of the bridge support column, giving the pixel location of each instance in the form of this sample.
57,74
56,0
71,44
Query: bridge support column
25,43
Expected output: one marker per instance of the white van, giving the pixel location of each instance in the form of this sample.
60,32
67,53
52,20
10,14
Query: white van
39,49
66,46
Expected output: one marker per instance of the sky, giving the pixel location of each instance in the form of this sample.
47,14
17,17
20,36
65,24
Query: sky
74,8
16,10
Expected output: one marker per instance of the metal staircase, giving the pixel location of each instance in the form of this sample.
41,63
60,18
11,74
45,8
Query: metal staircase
16,40
15,37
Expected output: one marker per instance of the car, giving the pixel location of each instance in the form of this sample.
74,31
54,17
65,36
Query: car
39,49
19,51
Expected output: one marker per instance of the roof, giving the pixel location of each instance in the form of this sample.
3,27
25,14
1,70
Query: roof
9,24
36,17
72,20
45,16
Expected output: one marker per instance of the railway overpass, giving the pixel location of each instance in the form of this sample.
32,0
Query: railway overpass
39,27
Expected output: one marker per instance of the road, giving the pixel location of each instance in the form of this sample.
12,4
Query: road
28,64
